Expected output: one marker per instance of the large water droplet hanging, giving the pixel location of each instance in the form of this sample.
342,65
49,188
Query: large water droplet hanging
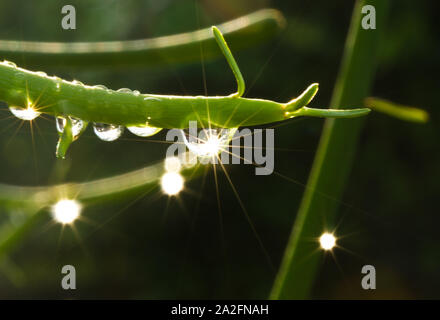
144,131
108,132
28,113
209,142
77,125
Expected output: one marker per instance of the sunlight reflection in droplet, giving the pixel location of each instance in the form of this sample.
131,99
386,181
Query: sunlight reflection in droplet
66,211
327,241
172,183
27,114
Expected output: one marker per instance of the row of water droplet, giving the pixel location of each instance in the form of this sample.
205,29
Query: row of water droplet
207,145
75,82
104,131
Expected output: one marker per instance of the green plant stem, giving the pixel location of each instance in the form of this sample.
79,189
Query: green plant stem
15,235
332,162
231,61
57,97
243,32
405,113
87,191
66,138
36,201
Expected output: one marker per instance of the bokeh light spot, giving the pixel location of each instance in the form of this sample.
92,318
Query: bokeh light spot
66,211
172,183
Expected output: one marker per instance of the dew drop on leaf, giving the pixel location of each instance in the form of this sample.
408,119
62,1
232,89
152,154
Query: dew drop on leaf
9,63
77,83
144,131
108,132
124,90
100,86
41,73
77,125
28,113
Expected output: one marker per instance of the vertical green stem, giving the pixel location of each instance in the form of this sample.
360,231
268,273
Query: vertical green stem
11,239
333,159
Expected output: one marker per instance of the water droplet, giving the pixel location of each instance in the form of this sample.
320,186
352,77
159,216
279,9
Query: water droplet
78,83
144,131
9,64
108,132
124,90
172,183
100,86
77,125
41,73
136,92
210,142
28,113
66,211
151,99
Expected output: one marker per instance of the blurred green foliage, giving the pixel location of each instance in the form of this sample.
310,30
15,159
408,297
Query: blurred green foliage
152,247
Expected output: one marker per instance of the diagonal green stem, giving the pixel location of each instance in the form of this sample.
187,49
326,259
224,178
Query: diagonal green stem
332,162
9,240
35,201
87,191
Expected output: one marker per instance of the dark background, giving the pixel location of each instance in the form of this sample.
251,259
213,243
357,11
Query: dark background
156,248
